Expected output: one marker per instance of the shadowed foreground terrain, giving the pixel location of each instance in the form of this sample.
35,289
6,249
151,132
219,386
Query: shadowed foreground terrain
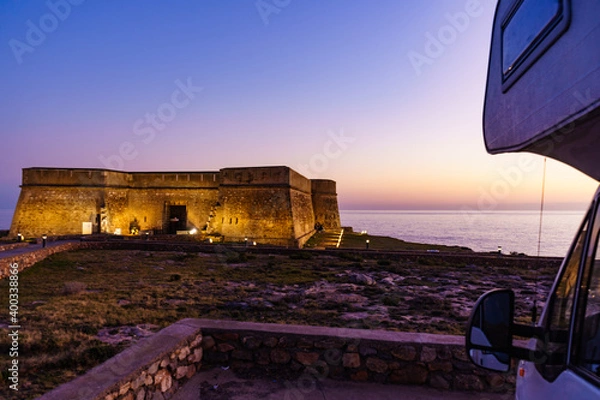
80,308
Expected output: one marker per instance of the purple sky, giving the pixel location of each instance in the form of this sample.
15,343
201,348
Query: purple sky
384,97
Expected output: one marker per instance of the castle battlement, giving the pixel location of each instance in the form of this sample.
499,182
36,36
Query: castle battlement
274,205
323,186
81,177
265,176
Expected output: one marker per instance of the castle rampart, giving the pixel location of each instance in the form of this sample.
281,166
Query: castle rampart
74,177
108,178
274,205
178,180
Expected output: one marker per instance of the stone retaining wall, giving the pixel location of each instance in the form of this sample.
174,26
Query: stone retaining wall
437,361
156,367
27,259
152,369
11,246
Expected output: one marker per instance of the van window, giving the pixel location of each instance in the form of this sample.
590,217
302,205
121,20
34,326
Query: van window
525,27
561,309
587,354
564,294
528,30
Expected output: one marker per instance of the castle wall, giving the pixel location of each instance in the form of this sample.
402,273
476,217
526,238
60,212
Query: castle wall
265,176
175,180
303,217
150,194
299,182
74,177
150,206
56,210
261,214
107,178
325,204
265,204
117,205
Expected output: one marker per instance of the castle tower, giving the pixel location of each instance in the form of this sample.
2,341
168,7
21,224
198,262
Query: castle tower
325,204
265,204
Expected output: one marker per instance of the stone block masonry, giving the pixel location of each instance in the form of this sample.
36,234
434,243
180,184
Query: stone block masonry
12,246
268,205
28,259
316,353
156,367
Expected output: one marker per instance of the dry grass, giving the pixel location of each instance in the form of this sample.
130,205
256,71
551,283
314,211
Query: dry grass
354,240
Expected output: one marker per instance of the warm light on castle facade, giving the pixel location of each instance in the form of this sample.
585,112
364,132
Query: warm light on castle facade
274,205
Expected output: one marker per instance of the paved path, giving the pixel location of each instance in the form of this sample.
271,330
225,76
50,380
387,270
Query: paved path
218,384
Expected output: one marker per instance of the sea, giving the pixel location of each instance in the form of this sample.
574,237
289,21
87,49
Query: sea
513,231
509,231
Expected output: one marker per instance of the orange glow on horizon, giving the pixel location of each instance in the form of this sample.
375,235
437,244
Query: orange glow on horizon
565,188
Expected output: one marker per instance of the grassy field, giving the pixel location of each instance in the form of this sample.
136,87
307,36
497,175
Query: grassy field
68,299
355,240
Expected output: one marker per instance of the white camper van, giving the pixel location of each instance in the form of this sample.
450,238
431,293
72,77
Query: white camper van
543,96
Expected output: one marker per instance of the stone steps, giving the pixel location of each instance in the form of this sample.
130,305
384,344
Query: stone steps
327,238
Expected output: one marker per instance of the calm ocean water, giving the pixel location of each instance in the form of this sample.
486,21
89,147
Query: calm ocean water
480,231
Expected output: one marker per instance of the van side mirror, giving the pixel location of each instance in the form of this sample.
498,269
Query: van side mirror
489,331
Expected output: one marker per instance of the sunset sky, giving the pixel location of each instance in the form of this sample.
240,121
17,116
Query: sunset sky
357,91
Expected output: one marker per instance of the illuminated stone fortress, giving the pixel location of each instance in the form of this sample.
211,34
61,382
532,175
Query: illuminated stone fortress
269,205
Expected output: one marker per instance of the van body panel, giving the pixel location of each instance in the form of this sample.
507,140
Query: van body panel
550,103
543,96
568,385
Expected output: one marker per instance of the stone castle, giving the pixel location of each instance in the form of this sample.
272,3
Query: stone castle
270,205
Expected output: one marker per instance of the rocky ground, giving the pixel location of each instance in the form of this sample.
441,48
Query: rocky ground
80,308
429,295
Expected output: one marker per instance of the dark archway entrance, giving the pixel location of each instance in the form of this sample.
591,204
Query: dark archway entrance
177,219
